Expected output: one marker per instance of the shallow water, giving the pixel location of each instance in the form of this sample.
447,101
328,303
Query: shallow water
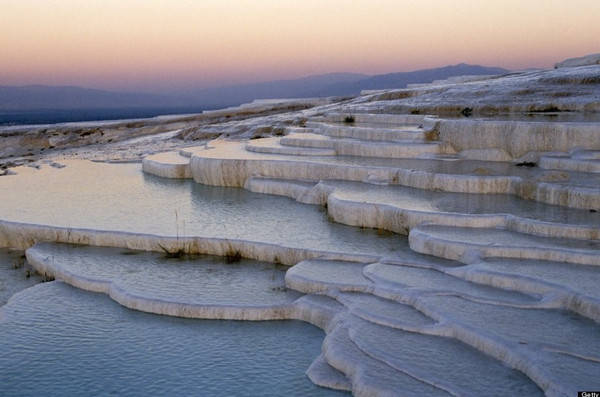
433,280
444,362
498,237
384,309
15,274
58,341
195,279
580,278
562,343
336,272
436,201
120,197
538,328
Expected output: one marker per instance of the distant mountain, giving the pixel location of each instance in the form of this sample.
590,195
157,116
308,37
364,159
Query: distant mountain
304,87
400,80
69,97
333,84
336,84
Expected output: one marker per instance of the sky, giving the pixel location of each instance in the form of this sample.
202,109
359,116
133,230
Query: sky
169,45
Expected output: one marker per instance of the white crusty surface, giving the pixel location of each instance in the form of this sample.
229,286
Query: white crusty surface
494,291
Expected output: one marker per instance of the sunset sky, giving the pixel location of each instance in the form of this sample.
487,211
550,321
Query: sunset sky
164,45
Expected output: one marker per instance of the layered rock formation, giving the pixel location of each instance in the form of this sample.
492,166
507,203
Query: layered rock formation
493,291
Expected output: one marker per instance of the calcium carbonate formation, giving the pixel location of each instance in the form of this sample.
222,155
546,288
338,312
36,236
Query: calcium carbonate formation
495,289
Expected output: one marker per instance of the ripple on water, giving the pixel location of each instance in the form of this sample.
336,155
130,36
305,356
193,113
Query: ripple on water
434,280
553,338
195,279
444,362
58,340
378,309
579,278
539,328
15,274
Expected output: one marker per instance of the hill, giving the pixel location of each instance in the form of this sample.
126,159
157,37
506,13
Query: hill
32,97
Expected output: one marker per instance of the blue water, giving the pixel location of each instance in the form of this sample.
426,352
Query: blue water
15,274
43,116
61,341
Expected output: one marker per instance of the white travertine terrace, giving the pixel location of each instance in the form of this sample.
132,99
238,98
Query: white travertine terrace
569,89
471,161
23,235
272,145
230,164
592,59
519,139
495,290
399,209
179,166
576,160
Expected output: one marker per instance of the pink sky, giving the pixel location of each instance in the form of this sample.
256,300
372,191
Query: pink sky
156,45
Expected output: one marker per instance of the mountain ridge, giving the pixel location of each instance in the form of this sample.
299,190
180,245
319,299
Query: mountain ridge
36,96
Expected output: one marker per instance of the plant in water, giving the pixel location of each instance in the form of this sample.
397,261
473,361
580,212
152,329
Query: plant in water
526,164
432,135
233,256
179,251
19,262
548,109
279,131
46,278
170,254
383,232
